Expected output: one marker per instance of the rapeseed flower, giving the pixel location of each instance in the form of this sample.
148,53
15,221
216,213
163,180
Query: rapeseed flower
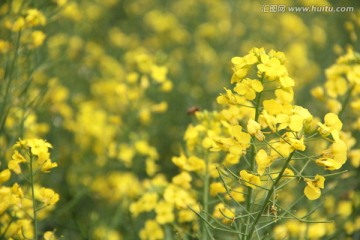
5,175
250,180
48,196
164,212
334,157
332,125
151,231
263,160
313,189
217,188
226,214
254,129
248,88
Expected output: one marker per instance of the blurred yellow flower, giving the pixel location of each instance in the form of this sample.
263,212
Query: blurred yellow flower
38,37
151,231
35,18
164,212
217,188
224,213
5,175
183,180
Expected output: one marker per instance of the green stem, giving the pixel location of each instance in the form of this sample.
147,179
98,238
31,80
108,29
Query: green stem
346,100
268,196
10,66
205,232
33,197
252,161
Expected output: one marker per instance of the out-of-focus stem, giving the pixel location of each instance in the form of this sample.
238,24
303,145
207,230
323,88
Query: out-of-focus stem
206,197
33,197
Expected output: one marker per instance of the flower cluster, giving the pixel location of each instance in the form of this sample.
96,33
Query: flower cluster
23,203
250,151
95,76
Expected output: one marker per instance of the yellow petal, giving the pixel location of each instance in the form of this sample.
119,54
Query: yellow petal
311,192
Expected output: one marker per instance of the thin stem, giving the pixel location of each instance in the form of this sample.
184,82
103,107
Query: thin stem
268,196
205,232
33,197
346,100
252,160
10,66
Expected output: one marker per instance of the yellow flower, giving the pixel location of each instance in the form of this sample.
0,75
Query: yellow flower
334,157
312,190
254,129
43,157
316,231
250,180
48,196
187,215
280,149
263,161
241,66
183,180
274,70
236,145
145,204
158,73
4,46
345,208
223,212
248,88
285,95
332,125
164,212
18,25
216,188
50,235
237,194
295,142
355,158
36,146
336,86
151,231
35,18
17,191
38,37
229,98
14,166
272,107
267,120
48,165
18,157
178,196
293,122
288,173
231,159
5,175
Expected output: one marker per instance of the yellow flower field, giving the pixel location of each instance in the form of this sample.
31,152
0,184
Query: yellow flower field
161,119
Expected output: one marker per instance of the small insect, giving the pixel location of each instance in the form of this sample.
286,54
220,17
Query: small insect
192,110
273,210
